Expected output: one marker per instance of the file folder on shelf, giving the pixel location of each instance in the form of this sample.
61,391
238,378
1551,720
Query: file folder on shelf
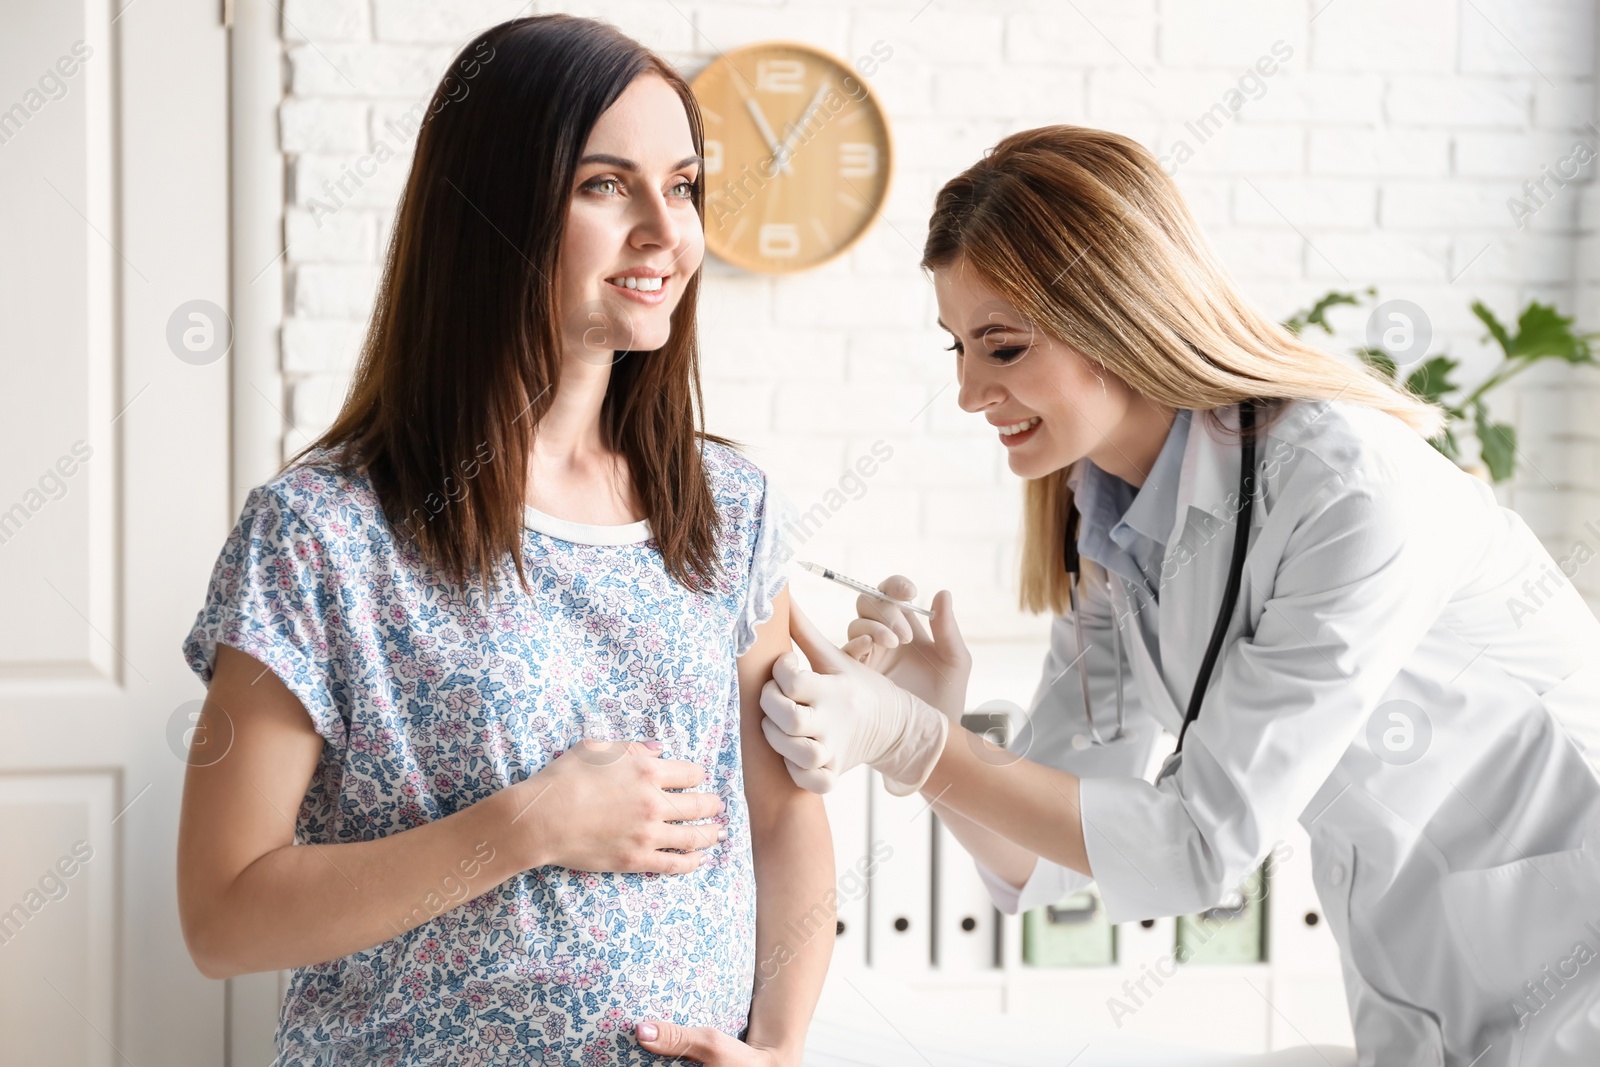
1073,932
899,903
846,805
1229,933
1298,938
966,927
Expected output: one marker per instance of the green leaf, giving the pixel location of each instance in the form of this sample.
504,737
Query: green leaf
1317,314
1541,332
1497,444
1480,309
1432,380
1377,357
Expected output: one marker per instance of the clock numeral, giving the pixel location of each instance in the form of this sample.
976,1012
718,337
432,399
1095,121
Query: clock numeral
858,159
780,75
779,240
713,157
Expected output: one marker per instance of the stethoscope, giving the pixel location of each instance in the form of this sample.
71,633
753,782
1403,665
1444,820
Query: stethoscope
1230,593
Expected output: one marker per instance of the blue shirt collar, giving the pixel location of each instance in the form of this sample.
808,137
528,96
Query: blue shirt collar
1152,510
1115,514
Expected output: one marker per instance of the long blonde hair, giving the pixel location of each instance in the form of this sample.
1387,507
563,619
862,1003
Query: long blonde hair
1085,234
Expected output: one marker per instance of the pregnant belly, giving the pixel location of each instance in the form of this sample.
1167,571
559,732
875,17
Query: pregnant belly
554,964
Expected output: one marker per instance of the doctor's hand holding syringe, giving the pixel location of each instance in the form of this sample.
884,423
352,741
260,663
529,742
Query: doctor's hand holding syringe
890,655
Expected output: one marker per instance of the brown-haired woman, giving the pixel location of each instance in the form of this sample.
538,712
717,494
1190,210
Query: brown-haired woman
1332,619
493,645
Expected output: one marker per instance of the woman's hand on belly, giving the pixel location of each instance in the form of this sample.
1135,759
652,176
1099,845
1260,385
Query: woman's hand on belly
710,1046
606,806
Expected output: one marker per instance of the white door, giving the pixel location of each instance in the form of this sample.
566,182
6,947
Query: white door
113,485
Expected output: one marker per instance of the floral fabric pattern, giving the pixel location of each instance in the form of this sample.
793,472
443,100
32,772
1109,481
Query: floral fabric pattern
431,697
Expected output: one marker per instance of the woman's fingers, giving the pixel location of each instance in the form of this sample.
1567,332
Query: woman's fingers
670,862
691,838
806,752
705,1044
681,808
690,807
676,773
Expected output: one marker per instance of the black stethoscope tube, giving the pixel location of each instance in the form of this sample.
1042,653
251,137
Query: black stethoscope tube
1230,593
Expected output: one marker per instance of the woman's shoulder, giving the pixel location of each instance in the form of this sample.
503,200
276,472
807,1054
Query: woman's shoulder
756,516
755,512
320,493
734,478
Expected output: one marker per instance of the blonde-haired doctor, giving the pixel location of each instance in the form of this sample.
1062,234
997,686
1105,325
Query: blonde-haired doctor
1396,663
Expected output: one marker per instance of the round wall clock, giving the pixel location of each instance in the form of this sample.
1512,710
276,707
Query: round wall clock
797,156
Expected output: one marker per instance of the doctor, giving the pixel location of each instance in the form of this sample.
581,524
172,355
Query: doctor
1250,545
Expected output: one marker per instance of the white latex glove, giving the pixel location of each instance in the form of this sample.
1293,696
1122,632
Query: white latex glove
840,714
933,665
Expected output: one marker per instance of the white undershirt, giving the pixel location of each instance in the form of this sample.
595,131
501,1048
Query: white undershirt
583,533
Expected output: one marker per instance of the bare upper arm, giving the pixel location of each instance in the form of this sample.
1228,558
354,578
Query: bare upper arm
767,785
244,786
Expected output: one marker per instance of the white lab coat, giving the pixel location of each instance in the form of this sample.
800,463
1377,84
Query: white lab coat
1377,571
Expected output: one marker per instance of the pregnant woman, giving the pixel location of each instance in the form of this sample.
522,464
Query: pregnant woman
492,647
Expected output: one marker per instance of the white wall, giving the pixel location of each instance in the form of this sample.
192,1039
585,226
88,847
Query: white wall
1383,151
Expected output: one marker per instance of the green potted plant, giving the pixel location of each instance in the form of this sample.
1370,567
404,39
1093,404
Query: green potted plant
1541,333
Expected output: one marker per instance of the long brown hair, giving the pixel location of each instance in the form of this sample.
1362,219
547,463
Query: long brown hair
463,353
1085,234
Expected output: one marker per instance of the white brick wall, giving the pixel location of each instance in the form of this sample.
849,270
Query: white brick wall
1381,152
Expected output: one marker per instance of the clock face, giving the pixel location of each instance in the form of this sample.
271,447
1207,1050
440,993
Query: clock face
796,156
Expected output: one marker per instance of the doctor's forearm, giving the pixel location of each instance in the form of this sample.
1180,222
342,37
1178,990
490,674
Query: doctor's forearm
1034,806
1006,859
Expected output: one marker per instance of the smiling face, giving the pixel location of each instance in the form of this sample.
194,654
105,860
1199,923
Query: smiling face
633,238
1049,403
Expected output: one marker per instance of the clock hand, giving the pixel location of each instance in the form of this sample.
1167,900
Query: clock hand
805,117
776,149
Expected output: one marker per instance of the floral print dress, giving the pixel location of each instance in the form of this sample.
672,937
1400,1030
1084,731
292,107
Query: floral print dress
430,697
